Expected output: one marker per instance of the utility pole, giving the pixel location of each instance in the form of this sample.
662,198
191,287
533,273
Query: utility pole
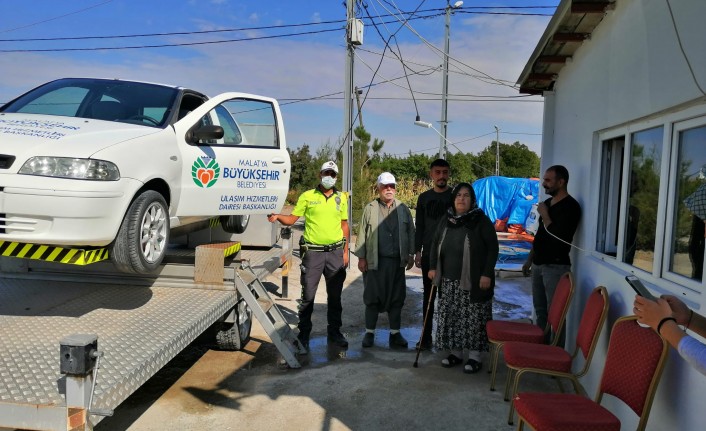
445,83
497,151
348,107
360,110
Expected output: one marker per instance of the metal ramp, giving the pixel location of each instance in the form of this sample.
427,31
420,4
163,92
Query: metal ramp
269,315
141,323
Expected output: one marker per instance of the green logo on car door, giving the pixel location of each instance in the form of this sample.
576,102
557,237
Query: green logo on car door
205,172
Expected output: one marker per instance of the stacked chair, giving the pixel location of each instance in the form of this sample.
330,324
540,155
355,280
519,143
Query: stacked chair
502,331
633,368
522,357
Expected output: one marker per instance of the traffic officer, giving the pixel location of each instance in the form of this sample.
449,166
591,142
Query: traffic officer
324,250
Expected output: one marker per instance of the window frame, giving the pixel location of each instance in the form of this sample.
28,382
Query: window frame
672,123
677,128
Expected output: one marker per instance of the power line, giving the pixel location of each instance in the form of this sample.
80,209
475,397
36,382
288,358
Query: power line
438,12
170,45
55,18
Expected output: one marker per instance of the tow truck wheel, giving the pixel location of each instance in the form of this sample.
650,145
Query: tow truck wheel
143,236
234,336
235,223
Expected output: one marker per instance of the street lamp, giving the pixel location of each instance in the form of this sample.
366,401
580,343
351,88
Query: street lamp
497,151
445,83
428,125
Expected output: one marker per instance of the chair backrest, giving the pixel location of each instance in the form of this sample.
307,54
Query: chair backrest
108,110
633,366
560,305
594,316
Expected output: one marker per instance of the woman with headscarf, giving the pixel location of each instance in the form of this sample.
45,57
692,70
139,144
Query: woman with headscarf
463,257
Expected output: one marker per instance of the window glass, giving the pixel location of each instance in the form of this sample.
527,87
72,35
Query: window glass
687,255
643,198
256,120
100,99
231,132
610,195
64,101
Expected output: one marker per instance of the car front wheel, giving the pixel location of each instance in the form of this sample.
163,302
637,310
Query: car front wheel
143,237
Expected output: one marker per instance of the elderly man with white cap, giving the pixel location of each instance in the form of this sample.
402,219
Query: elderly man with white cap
324,251
385,248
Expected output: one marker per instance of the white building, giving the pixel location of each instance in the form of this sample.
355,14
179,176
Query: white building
624,84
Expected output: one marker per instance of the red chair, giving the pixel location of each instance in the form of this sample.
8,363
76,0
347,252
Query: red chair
633,367
554,361
502,331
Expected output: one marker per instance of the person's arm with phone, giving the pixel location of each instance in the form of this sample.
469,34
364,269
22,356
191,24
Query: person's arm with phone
664,316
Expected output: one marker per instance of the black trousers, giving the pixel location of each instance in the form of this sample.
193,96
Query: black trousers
428,297
314,265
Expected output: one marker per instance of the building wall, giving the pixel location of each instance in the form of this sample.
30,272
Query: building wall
631,69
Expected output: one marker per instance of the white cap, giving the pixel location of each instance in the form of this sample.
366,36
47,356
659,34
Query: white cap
386,178
329,166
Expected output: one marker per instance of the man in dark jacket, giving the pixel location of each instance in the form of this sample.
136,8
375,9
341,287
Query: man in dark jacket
431,207
549,257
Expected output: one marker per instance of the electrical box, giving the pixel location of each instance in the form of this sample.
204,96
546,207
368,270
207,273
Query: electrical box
356,31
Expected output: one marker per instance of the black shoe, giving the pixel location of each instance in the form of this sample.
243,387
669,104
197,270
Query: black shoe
472,366
368,339
338,339
397,340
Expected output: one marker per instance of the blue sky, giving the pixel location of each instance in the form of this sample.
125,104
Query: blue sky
488,51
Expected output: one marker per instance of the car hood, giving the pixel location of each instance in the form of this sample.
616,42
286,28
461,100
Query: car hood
27,135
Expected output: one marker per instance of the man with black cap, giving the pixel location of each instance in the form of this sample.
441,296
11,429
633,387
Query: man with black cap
326,237
385,248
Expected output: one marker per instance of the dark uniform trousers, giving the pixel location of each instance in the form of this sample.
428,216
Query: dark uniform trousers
330,265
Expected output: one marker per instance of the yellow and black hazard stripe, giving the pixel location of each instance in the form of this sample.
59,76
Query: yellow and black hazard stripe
215,221
233,249
51,253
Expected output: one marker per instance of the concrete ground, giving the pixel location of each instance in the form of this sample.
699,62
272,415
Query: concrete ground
352,389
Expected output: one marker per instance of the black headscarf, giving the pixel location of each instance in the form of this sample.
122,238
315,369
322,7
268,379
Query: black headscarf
468,219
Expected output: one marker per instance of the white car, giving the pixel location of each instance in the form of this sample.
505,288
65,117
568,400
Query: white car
101,162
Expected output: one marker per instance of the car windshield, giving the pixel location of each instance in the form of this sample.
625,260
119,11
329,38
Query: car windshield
101,99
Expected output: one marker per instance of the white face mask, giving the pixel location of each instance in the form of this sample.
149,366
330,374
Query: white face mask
328,182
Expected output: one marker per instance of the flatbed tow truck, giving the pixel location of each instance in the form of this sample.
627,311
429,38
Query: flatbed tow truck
75,342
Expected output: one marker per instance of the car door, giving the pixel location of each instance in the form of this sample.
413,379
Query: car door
245,170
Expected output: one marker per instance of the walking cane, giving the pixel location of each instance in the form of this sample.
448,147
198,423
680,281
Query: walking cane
424,326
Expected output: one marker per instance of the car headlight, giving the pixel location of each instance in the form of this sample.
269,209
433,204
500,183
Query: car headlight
65,167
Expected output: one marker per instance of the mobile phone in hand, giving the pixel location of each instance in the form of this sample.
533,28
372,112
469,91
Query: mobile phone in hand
639,288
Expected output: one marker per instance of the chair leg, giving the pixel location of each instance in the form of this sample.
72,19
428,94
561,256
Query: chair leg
494,365
577,386
491,348
510,373
515,387
520,424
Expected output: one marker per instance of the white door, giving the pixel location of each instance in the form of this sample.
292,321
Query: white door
246,171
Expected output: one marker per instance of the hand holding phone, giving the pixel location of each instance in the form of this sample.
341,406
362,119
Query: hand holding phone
640,288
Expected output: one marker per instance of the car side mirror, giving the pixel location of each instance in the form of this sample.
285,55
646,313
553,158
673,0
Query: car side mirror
204,133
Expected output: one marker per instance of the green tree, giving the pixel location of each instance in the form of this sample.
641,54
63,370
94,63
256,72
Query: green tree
461,167
516,160
302,173
364,176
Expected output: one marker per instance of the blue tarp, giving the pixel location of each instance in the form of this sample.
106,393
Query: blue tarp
503,197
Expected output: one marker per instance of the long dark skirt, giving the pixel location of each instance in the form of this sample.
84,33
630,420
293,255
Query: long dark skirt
460,323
